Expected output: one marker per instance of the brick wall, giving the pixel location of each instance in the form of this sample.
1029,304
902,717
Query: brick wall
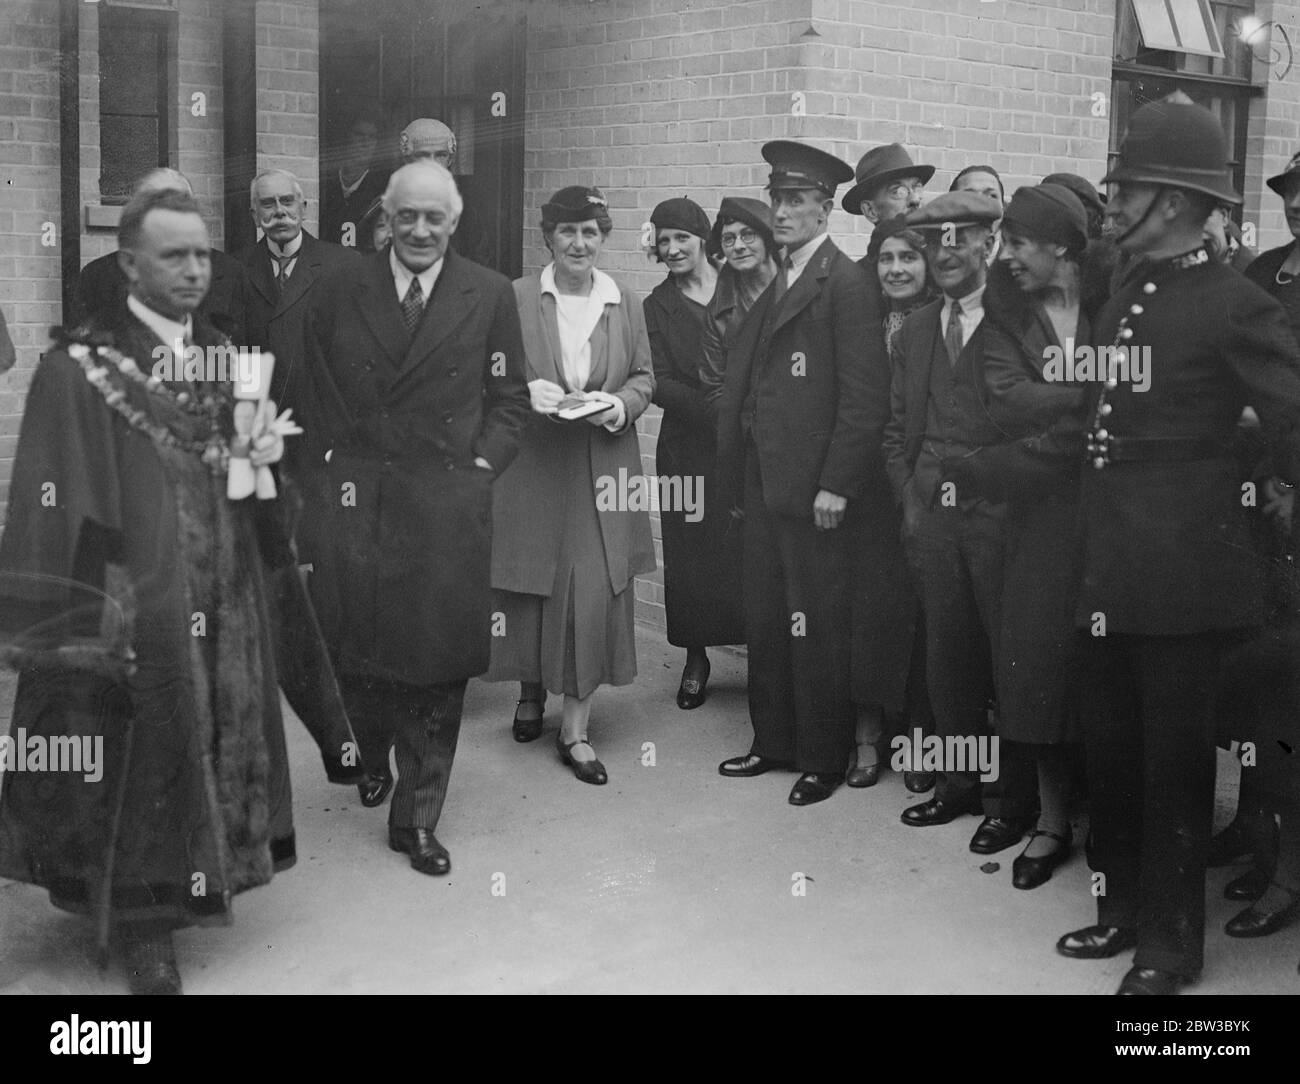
661,98
1275,123
288,94
29,197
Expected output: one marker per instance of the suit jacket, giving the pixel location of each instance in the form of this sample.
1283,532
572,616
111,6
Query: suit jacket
529,501
404,531
821,383
914,348
1166,545
277,323
102,289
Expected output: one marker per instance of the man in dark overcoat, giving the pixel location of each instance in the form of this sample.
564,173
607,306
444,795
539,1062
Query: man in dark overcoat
282,270
1170,579
804,403
954,538
417,390
102,286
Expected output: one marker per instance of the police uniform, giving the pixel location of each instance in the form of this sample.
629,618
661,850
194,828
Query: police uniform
1169,578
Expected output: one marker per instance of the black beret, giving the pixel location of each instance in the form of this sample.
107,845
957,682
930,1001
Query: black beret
681,214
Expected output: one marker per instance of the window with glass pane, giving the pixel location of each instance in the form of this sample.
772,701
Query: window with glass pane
133,96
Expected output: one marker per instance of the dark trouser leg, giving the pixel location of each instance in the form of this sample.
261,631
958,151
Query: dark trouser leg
1178,676
958,668
425,746
817,568
1113,751
371,709
767,626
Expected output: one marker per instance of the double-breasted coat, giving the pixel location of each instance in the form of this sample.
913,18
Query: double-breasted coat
702,590
401,581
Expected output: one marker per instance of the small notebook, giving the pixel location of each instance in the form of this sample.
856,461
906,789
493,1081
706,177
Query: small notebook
572,408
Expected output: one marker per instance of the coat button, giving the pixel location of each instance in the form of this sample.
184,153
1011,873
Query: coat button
383,414
1106,408
447,416
450,465
453,371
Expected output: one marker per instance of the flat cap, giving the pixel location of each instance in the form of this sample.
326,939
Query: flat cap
956,209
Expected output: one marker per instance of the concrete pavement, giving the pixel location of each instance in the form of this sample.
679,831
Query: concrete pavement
670,879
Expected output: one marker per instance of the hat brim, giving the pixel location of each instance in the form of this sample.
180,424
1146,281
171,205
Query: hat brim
852,199
1278,183
1172,180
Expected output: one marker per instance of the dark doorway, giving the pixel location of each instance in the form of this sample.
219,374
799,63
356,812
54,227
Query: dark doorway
384,65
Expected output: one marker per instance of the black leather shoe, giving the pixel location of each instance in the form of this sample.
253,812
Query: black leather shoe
1256,834
1255,923
812,787
1147,980
694,687
527,729
1249,886
918,782
375,789
1097,942
151,965
938,811
427,854
1031,872
863,775
588,771
749,764
998,833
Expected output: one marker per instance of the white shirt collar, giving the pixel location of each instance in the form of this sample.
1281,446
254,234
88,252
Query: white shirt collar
291,249
971,303
167,329
800,256
402,277
602,286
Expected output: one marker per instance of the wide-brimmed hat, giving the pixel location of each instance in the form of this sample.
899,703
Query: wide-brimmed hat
1278,181
1178,144
798,165
877,167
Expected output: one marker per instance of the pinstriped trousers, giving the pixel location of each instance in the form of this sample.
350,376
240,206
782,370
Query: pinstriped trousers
421,723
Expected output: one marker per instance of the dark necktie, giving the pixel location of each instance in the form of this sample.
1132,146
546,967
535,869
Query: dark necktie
413,306
282,270
783,277
952,339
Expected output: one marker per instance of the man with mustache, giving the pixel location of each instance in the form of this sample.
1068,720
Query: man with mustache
954,538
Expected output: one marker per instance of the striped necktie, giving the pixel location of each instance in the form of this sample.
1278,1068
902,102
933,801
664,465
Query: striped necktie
282,270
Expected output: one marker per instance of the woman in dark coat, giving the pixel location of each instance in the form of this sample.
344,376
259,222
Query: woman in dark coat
1039,302
568,540
742,233
702,596
888,635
